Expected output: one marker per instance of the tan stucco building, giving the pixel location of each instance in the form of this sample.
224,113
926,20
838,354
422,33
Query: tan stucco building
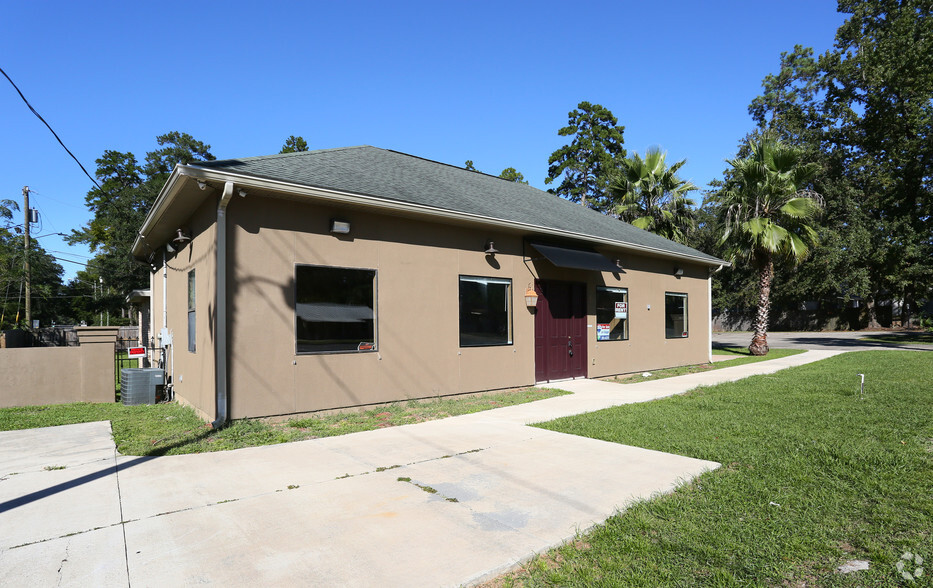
360,275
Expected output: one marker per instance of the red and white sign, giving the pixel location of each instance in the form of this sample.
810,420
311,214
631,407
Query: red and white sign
621,310
134,352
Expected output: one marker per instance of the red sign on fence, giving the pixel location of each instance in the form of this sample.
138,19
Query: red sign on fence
134,352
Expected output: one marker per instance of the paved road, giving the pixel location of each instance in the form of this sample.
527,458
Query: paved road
833,340
441,503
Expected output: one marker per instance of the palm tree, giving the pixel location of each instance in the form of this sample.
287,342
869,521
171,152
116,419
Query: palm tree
649,195
767,212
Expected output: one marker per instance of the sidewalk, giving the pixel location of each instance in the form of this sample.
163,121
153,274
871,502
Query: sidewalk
441,503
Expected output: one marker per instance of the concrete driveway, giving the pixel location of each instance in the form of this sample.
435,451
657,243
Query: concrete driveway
828,340
442,503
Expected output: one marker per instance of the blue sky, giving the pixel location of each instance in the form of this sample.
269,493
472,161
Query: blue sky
449,81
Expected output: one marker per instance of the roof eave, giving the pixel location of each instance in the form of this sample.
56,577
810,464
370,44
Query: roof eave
166,196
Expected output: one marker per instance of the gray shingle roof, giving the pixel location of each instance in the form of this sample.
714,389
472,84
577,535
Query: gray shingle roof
392,175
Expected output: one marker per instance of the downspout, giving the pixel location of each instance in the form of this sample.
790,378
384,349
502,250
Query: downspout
164,279
220,330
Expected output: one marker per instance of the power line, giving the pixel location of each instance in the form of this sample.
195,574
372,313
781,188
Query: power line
39,116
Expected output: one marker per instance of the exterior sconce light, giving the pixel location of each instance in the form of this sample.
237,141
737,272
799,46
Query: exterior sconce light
619,263
678,271
181,238
531,297
490,248
339,227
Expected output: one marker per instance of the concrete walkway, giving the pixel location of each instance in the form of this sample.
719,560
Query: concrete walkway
442,503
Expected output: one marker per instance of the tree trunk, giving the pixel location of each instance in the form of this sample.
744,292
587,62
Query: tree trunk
759,345
871,307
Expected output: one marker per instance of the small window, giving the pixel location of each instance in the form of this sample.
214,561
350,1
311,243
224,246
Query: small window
192,319
611,314
485,311
335,309
675,315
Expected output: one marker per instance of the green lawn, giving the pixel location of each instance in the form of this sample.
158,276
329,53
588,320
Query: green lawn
741,354
171,429
812,477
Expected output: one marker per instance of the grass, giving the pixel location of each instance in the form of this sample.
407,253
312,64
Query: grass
121,360
172,429
812,476
902,338
742,356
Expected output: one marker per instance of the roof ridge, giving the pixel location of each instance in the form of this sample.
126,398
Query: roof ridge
287,155
411,180
475,171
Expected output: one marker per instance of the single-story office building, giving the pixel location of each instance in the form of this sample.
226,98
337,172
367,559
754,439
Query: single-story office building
344,277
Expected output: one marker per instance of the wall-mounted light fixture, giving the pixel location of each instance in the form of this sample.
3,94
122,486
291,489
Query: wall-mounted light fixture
181,238
619,263
531,297
678,271
339,227
490,248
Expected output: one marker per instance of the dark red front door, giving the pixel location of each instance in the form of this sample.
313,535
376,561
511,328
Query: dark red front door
560,331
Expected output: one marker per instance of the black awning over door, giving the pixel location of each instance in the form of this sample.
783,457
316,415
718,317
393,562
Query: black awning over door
576,258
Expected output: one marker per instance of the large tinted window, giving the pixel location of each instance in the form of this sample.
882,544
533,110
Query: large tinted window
611,313
485,311
675,315
335,309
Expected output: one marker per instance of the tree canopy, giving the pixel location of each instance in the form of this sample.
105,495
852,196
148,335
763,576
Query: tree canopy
294,145
129,191
582,167
864,111
513,175
45,279
768,212
510,173
648,194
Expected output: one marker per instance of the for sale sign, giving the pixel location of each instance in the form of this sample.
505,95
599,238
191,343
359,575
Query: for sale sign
134,352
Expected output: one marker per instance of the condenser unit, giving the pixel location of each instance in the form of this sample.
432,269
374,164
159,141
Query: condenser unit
142,385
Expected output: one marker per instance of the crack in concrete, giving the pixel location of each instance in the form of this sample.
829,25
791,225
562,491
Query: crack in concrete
427,489
62,565
124,522
392,467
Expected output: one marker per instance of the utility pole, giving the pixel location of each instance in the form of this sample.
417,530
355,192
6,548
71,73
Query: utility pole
26,256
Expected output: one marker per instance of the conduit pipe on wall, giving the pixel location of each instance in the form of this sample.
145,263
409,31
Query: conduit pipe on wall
220,330
164,339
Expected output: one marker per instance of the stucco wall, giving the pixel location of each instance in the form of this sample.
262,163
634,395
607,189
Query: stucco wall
32,376
191,373
418,265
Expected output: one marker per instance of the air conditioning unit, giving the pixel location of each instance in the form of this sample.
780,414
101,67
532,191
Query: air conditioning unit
142,385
